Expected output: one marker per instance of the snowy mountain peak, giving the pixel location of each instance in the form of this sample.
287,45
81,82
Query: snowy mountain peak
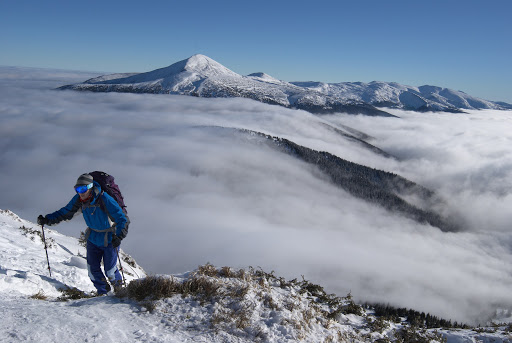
178,76
206,66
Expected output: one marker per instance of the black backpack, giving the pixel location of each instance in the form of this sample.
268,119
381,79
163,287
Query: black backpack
109,186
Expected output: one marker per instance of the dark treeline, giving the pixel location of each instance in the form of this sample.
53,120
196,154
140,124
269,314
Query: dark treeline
415,318
373,185
376,186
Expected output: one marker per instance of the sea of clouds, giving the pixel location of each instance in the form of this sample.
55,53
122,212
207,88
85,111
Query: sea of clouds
197,193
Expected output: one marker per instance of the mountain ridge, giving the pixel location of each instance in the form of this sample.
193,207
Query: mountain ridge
202,76
385,189
392,94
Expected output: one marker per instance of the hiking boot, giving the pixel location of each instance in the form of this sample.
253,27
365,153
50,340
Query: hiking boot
118,286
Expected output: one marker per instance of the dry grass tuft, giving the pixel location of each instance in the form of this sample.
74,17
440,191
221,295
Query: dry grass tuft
233,293
32,233
39,296
208,270
152,288
74,293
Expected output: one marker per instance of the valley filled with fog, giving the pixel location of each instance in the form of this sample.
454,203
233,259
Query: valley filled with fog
197,193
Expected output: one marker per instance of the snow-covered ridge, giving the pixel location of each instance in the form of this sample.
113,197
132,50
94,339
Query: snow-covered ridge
395,95
105,78
209,304
201,76
263,77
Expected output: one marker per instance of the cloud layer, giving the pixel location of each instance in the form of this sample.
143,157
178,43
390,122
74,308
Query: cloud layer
197,193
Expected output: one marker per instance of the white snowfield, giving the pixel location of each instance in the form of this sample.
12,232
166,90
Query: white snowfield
252,306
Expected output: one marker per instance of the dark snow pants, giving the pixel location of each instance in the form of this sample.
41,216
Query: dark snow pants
109,255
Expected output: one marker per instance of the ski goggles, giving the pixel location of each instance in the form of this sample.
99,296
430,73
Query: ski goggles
83,188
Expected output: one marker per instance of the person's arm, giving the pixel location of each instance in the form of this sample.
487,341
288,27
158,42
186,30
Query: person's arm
65,213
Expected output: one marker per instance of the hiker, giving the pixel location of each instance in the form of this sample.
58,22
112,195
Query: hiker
107,226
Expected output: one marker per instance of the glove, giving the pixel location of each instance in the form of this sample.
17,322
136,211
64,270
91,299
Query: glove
42,220
116,241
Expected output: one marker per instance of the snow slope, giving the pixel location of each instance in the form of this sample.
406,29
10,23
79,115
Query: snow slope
230,306
23,261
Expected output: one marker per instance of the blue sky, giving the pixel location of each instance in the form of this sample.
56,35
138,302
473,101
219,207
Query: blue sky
463,45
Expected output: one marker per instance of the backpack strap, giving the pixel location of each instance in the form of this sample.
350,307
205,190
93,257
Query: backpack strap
104,207
112,229
105,231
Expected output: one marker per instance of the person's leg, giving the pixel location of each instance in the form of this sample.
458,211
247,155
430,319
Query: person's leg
110,264
94,256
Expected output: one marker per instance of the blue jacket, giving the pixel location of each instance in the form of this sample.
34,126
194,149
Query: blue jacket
95,216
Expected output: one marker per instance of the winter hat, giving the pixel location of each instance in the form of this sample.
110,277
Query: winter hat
84,179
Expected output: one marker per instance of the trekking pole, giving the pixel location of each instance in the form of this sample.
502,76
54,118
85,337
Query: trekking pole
121,267
46,249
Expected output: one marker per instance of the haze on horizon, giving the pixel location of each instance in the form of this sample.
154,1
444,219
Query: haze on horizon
461,45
